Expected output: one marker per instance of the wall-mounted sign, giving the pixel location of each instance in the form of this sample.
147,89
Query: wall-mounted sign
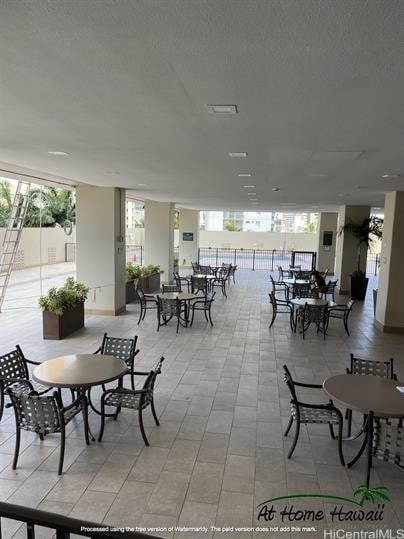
327,237
187,236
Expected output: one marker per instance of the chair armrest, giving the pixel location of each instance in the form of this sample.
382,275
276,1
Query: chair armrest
16,380
329,406
98,350
32,362
126,391
314,386
141,373
136,352
73,404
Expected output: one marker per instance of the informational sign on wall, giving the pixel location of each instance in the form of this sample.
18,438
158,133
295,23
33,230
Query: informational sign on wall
187,236
327,237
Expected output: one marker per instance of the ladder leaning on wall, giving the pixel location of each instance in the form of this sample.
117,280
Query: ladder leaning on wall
13,234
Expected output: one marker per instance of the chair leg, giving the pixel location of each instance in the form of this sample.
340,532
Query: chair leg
140,315
206,316
289,425
154,413
346,326
102,420
62,450
349,422
273,319
1,401
210,318
146,441
17,447
332,434
341,456
84,411
297,431
132,380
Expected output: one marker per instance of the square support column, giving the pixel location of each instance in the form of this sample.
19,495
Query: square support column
189,237
159,236
347,246
101,247
390,305
326,241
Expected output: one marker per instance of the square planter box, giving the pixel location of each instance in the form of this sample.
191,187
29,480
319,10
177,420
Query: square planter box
58,327
149,284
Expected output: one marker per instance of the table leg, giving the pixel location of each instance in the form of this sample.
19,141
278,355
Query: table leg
84,401
367,442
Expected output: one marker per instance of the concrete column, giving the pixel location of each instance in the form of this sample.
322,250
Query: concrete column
347,246
189,237
101,247
159,236
390,305
326,241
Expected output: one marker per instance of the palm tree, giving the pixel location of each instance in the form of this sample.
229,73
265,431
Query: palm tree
371,493
50,206
365,232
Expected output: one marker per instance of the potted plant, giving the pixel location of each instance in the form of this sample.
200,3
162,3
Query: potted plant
365,233
147,277
63,309
176,264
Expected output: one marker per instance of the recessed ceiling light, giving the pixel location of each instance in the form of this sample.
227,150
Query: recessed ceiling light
238,154
363,187
252,194
248,186
58,153
253,199
390,176
275,188
141,184
244,174
377,208
223,109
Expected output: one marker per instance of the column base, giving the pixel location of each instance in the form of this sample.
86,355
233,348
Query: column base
388,329
106,312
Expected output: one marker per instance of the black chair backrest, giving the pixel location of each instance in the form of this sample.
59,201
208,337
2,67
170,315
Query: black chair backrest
121,348
150,382
287,377
13,365
385,369
199,283
171,288
35,413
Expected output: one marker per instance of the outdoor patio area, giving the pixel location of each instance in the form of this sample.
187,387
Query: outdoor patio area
223,407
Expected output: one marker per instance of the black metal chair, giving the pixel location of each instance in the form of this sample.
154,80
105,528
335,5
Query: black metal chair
330,290
203,304
232,273
387,442
170,288
368,367
146,302
312,314
279,287
281,306
169,308
220,280
43,415
122,348
195,267
134,399
300,290
307,413
342,312
15,365
179,281
199,284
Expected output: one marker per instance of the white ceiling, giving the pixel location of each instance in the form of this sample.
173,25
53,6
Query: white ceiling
123,87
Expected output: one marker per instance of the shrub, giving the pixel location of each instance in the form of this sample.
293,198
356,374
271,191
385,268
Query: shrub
58,300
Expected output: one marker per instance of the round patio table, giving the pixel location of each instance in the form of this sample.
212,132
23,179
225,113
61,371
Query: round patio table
315,302
80,372
295,281
370,395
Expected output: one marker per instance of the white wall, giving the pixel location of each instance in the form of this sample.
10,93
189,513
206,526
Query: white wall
52,248
258,240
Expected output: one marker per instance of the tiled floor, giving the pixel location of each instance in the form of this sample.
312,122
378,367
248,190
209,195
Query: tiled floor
223,407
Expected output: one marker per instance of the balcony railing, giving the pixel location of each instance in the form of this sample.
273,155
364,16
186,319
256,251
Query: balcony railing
64,526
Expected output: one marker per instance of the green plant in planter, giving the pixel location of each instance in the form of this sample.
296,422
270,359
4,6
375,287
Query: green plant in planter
57,300
133,273
150,269
176,262
365,233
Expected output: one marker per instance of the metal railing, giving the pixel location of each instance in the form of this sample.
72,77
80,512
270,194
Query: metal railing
70,252
373,264
257,259
64,526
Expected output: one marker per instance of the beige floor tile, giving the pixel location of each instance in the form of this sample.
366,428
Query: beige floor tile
169,493
206,482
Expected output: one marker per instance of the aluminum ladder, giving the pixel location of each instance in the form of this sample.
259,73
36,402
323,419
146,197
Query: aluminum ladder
13,234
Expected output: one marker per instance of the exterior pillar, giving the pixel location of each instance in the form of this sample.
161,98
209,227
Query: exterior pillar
326,241
390,305
159,236
189,237
100,250
347,246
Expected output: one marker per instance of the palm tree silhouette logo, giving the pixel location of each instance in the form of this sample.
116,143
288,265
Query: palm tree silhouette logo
371,494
